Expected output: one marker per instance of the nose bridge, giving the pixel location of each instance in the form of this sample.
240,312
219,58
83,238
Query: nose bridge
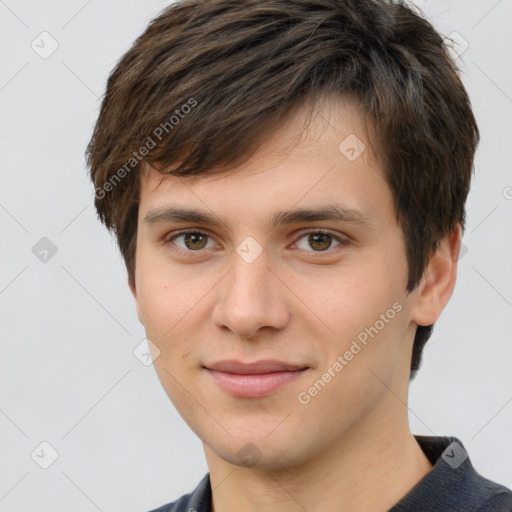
250,275
250,297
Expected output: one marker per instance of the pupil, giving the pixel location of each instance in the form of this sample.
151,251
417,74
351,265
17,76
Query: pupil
193,237
321,236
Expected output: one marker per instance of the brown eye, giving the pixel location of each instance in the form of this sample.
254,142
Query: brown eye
189,241
319,241
195,241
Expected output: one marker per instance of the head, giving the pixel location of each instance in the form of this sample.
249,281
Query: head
245,109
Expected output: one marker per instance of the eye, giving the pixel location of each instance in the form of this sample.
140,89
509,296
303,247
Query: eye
319,240
192,241
187,242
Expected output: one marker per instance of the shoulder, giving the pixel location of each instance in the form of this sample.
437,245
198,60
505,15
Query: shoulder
198,500
453,483
180,505
495,497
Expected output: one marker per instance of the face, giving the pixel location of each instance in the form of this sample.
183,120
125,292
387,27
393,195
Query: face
261,269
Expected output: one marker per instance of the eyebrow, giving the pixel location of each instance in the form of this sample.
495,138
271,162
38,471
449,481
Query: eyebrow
332,212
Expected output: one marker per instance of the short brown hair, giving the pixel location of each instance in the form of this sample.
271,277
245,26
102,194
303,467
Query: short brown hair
208,80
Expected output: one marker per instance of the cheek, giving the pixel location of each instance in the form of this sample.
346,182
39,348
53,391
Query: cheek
173,306
164,294
367,316
168,311
354,298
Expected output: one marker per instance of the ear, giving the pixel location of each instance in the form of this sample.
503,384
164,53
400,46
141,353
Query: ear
438,280
131,284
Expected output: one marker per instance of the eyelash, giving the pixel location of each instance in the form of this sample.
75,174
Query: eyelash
343,241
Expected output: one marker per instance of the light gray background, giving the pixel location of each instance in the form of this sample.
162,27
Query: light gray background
69,375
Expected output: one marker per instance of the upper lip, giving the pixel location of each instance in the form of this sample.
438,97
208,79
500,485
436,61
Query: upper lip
257,367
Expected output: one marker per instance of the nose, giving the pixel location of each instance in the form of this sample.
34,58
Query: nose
252,297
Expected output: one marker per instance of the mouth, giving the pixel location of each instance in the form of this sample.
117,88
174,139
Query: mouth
254,380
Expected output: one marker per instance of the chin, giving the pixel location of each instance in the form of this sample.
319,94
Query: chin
259,453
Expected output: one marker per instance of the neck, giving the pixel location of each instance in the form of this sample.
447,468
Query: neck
371,467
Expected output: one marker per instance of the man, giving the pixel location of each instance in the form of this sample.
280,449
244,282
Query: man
286,180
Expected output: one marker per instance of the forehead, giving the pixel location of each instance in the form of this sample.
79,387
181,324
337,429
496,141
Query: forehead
317,155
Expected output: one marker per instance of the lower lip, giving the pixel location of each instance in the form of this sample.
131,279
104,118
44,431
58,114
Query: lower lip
254,386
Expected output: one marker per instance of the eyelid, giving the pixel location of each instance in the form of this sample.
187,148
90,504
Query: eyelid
323,231
342,239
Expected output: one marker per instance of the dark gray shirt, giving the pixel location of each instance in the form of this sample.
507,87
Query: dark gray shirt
452,485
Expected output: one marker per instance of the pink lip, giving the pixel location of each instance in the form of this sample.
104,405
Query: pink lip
254,380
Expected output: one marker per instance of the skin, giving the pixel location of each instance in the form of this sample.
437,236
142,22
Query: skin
300,302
